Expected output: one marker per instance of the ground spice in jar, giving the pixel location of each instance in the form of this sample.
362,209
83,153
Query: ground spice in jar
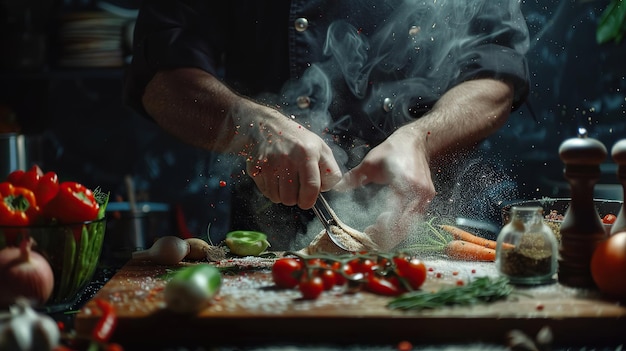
531,257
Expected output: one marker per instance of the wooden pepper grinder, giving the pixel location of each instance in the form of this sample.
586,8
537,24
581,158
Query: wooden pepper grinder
581,229
618,152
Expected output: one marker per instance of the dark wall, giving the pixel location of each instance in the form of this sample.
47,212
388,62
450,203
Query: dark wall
575,82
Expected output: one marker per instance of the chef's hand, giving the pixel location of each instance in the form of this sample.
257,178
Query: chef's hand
289,163
401,163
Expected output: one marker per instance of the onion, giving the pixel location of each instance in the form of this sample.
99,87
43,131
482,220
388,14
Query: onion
24,273
198,249
192,288
167,250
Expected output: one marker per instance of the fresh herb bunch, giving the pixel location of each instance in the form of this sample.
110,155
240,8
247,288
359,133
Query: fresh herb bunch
480,290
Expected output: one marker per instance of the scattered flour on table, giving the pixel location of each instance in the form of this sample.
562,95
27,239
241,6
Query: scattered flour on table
256,293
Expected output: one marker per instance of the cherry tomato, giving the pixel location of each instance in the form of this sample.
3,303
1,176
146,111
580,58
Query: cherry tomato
329,278
608,265
114,347
412,270
362,265
311,287
609,218
382,262
316,262
341,271
286,272
405,346
383,286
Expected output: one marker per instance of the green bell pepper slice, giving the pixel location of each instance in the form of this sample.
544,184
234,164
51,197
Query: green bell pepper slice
246,242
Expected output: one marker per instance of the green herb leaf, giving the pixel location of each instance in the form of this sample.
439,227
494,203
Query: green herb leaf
480,290
612,24
103,200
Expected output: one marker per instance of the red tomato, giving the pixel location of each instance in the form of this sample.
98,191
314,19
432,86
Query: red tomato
341,270
329,278
608,265
382,262
286,272
609,218
311,288
412,270
404,346
383,286
316,262
362,265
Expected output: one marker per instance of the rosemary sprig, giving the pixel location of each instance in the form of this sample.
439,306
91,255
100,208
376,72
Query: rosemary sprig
480,290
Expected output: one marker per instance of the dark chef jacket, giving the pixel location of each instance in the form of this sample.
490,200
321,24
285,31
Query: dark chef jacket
380,58
370,66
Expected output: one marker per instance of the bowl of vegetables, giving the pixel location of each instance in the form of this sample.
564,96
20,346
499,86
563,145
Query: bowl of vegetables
51,236
554,211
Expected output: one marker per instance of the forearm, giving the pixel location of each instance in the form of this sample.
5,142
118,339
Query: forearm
465,115
197,108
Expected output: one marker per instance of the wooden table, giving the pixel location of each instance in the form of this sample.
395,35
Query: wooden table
250,309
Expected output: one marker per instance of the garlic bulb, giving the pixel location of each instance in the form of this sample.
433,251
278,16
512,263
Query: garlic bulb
25,329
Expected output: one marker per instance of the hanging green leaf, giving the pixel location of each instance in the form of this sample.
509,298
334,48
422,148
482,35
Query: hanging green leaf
612,24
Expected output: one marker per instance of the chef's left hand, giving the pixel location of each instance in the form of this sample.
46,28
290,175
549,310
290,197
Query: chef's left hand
401,163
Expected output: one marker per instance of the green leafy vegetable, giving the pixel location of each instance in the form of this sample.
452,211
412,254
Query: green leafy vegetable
480,290
612,24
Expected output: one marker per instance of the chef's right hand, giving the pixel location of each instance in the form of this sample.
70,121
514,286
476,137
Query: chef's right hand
289,164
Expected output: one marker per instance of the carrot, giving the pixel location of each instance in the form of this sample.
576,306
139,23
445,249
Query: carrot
460,234
465,250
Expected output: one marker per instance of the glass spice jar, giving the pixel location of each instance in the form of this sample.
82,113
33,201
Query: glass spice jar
526,250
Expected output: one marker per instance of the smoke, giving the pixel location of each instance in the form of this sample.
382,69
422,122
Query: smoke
416,54
411,57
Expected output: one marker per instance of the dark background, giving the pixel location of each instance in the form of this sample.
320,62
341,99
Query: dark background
77,124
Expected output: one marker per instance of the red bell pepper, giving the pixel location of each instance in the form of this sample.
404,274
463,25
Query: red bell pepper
18,206
44,185
73,203
105,327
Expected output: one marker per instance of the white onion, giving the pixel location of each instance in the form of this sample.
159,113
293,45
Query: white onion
24,273
192,288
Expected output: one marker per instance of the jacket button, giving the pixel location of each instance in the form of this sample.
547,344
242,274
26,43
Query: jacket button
301,24
387,104
303,102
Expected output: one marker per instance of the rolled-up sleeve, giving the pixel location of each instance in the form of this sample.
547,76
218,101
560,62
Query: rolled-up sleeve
171,34
499,50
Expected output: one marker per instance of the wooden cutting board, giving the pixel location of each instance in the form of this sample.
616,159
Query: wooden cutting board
249,309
